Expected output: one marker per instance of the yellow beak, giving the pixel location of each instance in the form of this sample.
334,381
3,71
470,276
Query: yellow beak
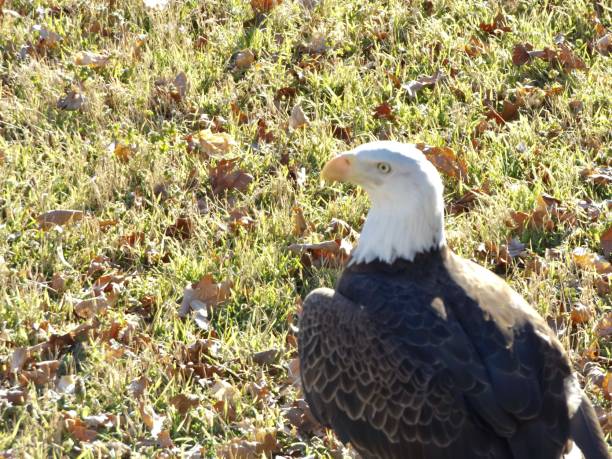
338,169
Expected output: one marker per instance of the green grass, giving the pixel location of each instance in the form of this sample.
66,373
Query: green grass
57,159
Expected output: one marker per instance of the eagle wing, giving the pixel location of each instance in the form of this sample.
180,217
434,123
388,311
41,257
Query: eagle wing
399,373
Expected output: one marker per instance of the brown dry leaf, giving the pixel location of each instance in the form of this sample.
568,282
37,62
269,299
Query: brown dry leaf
300,226
18,359
603,45
78,429
605,242
604,326
509,113
414,86
344,133
207,291
267,357
181,86
239,218
208,143
293,372
47,39
59,217
445,161
91,307
122,151
42,373
265,6
155,424
16,396
223,391
334,253
467,201
91,59
225,177
138,386
563,56
182,229
298,119
185,403
341,229
238,449
475,47
384,112
72,100
263,134
598,175
498,26
586,259
569,60
242,60
100,421
581,313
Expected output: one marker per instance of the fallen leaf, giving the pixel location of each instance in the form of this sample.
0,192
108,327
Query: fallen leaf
265,6
182,229
211,144
225,177
78,429
333,253
91,59
239,218
72,100
100,421
267,357
588,260
293,372
342,132
580,313
151,419
181,86
138,386
52,218
384,112
603,45
298,119
563,55
225,392
414,86
598,175
445,161
15,396
263,134
242,60
604,326
497,27
121,151
47,39
185,403
18,359
91,307
605,241
207,291
42,373
300,226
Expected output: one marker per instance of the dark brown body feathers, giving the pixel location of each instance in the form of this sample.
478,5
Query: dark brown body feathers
437,358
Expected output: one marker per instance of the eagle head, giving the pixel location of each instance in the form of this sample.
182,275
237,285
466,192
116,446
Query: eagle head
406,194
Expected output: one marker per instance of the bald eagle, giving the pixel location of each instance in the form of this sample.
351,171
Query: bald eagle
421,354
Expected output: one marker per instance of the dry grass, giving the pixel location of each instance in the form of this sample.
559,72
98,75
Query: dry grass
52,158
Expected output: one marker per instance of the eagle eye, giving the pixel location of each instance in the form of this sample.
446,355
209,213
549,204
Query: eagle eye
385,168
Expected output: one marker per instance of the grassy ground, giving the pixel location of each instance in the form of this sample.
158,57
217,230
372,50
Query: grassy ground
128,373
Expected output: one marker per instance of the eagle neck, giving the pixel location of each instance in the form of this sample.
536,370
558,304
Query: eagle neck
390,234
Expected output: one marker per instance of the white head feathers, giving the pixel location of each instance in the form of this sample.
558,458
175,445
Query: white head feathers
406,192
